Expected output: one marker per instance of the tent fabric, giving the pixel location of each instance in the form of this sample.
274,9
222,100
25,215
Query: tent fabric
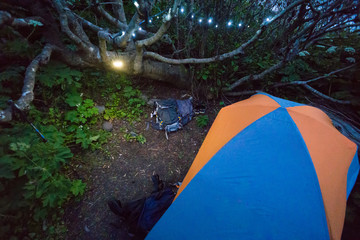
269,168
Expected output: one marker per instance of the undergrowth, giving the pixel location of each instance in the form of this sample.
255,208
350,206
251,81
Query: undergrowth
34,182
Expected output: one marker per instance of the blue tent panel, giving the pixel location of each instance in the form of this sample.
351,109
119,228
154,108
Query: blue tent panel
261,185
352,174
282,102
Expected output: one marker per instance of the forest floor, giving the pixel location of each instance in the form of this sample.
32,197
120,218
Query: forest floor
123,170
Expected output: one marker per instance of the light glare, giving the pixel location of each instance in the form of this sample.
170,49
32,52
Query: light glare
136,4
118,64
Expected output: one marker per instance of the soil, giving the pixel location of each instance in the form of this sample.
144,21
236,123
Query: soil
123,170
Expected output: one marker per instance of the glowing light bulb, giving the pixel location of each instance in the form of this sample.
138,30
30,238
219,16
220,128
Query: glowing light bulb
157,17
123,33
136,4
229,23
140,28
268,19
150,21
182,10
134,35
192,15
216,26
240,24
210,20
248,26
200,20
118,64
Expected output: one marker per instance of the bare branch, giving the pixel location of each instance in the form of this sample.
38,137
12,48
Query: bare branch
235,94
317,78
255,77
118,9
7,18
65,27
239,50
316,92
122,26
88,24
29,82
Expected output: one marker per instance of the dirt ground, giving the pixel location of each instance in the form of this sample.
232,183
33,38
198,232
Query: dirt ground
123,170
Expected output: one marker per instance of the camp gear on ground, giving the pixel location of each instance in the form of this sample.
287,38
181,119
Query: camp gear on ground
268,169
171,115
142,214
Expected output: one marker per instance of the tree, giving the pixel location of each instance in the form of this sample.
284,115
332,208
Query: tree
288,28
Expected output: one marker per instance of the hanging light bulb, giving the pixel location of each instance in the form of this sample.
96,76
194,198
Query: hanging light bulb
268,19
182,10
122,33
216,26
240,25
133,34
192,15
118,64
200,20
157,17
140,28
136,4
229,23
210,20
150,21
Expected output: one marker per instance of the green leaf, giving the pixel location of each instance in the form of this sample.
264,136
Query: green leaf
72,116
73,100
77,187
49,200
6,167
35,23
94,138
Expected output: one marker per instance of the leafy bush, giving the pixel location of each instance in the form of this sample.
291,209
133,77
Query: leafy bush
31,183
132,136
202,121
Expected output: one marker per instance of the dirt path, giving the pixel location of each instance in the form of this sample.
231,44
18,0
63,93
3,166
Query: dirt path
124,169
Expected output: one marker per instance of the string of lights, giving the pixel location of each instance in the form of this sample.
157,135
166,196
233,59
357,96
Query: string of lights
202,21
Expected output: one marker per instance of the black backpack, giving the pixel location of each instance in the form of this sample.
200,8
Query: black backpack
142,214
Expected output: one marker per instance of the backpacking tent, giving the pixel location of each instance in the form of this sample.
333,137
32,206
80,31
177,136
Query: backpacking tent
268,169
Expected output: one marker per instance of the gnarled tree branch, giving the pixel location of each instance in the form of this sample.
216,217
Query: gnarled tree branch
29,82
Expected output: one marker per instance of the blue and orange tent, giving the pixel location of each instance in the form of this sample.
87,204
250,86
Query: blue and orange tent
268,169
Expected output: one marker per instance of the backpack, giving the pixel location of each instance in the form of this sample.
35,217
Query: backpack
171,115
142,214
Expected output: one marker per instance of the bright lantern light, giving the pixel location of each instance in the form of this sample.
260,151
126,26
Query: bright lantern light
118,64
